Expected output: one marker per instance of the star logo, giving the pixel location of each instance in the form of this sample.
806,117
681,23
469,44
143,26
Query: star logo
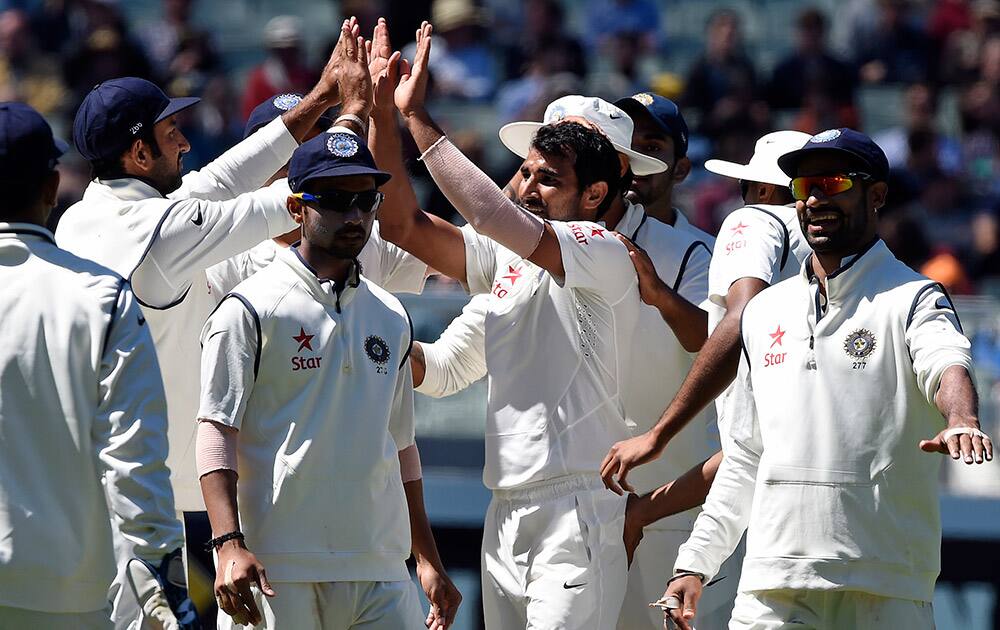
738,229
305,341
512,275
776,336
597,232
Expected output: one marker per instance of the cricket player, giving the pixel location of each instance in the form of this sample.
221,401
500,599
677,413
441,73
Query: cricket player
659,359
161,231
841,511
758,245
565,298
296,487
81,404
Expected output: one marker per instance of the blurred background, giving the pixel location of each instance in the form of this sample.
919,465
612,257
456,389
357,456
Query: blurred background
921,77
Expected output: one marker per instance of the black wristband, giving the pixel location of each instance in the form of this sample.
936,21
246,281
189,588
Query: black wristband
215,543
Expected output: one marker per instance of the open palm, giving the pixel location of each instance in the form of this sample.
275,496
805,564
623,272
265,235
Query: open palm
411,92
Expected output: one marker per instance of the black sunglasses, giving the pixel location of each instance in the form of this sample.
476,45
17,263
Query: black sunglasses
343,200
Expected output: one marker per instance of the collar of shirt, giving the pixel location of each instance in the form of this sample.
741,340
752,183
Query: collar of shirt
21,231
124,188
633,219
852,271
325,290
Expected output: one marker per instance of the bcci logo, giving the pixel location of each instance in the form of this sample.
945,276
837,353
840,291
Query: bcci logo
826,136
378,351
342,145
859,345
285,102
644,98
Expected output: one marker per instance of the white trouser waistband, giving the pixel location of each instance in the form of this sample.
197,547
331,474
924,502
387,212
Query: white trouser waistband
550,489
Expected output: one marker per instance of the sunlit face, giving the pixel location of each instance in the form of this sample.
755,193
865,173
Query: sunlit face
648,138
166,172
842,223
549,188
341,233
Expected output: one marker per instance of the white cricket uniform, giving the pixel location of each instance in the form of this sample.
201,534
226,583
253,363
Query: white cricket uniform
82,403
294,362
555,351
862,366
382,262
656,366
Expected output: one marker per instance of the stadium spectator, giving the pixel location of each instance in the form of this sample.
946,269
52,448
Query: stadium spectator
284,70
919,107
607,19
896,50
27,74
462,61
171,40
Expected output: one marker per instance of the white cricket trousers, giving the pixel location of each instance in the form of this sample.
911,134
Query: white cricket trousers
336,606
553,557
827,610
23,619
653,565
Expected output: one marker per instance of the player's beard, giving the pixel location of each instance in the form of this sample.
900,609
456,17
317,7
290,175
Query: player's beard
849,234
166,176
345,243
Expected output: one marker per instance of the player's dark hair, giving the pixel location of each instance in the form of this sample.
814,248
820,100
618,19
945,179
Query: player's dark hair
21,196
626,182
114,167
593,156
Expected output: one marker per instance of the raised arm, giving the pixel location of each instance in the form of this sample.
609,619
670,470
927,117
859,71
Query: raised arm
458,358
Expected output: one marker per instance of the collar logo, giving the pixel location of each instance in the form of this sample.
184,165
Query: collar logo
377,350
826,136
342,145
860,344
644,98
285,102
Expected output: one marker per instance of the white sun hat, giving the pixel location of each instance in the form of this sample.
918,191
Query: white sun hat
763,166
614,122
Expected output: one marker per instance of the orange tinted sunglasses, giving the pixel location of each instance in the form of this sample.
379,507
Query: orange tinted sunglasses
829,185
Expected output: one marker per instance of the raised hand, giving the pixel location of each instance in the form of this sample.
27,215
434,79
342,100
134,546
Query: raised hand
411,93
353,79
379,50
384,108
328,83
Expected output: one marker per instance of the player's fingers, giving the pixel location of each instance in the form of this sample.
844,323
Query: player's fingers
246,599
965,445
225,601
363,51
263,583
677,617
953,447
977,449
988,448
623,470
933,446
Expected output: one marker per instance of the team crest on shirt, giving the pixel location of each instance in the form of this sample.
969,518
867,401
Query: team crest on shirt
342,145
859,345
378,351
285,102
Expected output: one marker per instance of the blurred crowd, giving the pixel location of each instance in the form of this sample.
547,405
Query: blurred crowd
937,60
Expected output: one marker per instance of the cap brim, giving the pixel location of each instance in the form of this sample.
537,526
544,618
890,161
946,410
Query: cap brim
347,170
517,137
61,147
744,172
176,105
789,162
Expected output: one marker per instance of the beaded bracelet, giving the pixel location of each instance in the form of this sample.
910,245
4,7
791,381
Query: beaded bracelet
215,543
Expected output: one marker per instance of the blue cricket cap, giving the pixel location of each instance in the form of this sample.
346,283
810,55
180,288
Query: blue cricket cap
335,154
27,147
665,114
861,150
116,111
274,107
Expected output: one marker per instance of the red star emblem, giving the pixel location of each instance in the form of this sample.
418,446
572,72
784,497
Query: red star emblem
738,229
776,336
512,275
597,232
305,341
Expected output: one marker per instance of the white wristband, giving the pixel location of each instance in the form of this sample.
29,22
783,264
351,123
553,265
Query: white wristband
970,431
352,118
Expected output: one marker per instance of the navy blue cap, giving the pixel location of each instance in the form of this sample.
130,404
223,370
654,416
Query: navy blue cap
27,148
335,154
665,114
117,111
274,107
859,148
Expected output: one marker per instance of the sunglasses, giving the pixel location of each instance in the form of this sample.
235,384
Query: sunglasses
829,185
343,200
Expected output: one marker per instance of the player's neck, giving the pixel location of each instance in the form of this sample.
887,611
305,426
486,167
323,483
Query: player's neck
615,213
324,264
662,210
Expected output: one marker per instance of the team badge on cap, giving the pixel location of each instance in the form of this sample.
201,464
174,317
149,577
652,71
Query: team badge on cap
859,344
377,349
826,136
285,102
342,145
644,98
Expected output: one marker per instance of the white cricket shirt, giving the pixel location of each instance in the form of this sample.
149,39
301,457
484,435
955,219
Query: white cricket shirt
315,378
80,402
824,466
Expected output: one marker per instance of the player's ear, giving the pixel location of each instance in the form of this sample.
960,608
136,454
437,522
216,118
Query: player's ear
594,195
682,168
877,193
50,189
295,208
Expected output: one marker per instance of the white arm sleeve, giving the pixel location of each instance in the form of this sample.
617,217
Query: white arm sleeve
130,435
229,350
726,513
243,168
458,358
750,245
594,260
401,425
934,337
196,234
